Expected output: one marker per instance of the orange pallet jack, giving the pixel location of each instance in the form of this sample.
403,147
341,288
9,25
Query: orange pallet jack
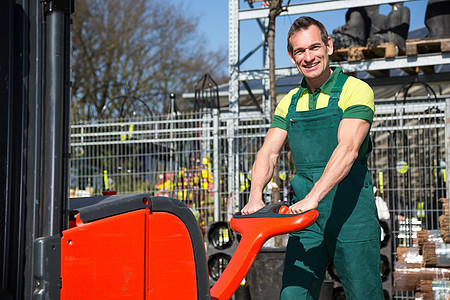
144,247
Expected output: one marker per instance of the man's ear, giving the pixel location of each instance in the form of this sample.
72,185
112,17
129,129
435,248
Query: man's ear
330,48
291,58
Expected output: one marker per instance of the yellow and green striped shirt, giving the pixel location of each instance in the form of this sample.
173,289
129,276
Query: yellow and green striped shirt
356,101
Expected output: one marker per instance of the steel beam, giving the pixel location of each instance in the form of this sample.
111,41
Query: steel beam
312,7
400,62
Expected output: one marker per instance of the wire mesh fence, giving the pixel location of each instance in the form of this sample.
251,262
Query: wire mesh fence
408,164
409,174
205,159
184,156
167,155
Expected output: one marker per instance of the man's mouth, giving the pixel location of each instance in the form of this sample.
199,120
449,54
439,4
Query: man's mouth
309,66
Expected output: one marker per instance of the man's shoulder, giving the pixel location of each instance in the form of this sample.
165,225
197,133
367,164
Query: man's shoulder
292,92
353,82
286,100
357,95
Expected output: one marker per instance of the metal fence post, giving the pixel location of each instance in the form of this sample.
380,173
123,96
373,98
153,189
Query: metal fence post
216,157
172,144
447,143
52,193
233,62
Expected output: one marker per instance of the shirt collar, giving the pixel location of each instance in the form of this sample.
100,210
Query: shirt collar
328,85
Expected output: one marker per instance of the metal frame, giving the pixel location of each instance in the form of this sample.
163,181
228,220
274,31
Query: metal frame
237,15
378,64
312,7
383,113
261,16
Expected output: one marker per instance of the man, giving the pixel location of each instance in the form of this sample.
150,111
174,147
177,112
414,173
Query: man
326,121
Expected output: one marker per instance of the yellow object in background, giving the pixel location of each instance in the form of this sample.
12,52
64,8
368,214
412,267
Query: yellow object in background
402,167
380,182
105,179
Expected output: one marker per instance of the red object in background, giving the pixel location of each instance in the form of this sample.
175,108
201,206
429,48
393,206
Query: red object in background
109,193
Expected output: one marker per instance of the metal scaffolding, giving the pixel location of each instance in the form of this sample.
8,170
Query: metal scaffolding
410,135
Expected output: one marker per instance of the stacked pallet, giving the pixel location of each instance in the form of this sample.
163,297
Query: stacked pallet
407,269
425,237
426,288
435,289
354,54
386,50
418,46
444,221
414,47
426,268
429,255
409,278
410,256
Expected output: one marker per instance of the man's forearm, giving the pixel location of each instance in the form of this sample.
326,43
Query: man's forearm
262,169
262,172
336,170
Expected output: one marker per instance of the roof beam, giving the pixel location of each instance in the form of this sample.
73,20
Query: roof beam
311,7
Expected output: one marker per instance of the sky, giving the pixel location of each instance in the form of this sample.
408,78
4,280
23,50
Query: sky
212,17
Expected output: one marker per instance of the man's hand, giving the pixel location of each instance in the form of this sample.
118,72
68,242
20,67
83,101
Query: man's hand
252,206
303,205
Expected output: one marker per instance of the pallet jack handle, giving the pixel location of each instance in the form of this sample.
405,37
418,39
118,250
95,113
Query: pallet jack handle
256,229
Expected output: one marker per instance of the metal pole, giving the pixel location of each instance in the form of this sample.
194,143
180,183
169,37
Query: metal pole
34,143
53,132
233,65
216,157
447,144
172,145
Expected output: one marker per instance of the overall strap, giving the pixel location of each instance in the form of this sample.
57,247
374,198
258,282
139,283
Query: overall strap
334,94
294,100
337,89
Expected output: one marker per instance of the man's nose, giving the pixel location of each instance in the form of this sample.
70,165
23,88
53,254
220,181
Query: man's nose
309,55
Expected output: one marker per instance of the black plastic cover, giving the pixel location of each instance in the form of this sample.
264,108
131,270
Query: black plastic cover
95,208
99,207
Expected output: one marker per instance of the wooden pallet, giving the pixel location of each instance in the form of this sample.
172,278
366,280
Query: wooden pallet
386,50
417,46
416,70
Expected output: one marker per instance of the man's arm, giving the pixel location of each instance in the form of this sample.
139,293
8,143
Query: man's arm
351,134
262,170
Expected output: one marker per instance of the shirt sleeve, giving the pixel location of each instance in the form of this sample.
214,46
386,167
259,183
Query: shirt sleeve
278,122
359,100
279,118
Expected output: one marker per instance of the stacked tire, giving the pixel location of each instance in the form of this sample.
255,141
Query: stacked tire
221,244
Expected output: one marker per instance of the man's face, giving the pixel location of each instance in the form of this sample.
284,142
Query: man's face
310,54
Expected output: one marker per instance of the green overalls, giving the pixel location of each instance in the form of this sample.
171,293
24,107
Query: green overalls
347,229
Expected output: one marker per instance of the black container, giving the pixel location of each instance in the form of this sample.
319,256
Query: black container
264,277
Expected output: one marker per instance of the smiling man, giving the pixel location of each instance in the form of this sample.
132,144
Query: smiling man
326,121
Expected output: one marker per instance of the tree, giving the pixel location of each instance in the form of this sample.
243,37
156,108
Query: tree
275,9
128,56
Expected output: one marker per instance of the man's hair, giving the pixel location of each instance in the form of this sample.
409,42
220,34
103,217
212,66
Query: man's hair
304,23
